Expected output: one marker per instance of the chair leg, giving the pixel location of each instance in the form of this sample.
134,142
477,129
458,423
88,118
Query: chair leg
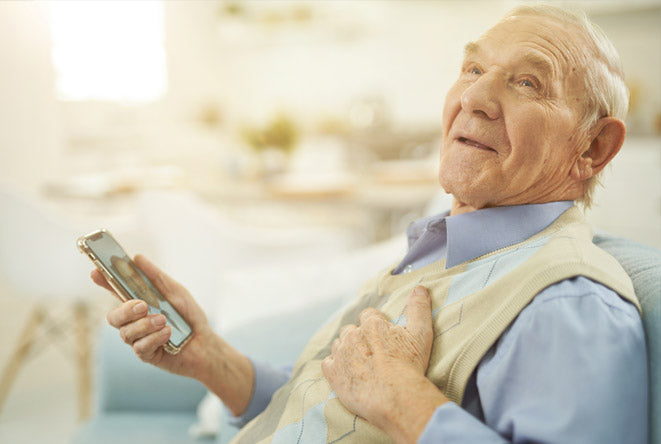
84,358
20,353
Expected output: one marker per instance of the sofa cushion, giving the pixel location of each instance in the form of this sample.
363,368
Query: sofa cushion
125,383
139,428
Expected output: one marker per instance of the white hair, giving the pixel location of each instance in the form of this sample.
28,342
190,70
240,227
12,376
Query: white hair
606,92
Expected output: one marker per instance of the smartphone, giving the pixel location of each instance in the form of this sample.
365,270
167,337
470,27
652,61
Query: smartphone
129,282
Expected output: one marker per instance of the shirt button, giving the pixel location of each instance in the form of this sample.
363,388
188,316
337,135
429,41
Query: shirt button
408,269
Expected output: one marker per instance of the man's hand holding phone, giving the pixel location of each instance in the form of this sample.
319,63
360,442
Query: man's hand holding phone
147,333
206,356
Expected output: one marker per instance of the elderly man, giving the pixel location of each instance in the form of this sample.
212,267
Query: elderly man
503,322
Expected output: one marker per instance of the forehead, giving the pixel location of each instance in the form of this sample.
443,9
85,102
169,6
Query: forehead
543,42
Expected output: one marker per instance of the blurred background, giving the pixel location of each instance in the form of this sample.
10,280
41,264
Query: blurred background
216,135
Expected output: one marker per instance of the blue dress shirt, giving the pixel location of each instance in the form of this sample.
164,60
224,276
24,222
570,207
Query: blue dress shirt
571,368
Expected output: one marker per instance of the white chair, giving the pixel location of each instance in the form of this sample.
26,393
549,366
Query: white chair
39,261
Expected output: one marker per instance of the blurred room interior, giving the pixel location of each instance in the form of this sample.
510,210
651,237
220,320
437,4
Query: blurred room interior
217,135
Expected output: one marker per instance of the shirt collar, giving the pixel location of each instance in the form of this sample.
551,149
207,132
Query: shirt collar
417,228
474,234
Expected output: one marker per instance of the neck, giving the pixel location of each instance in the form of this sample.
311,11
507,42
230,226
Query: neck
460,207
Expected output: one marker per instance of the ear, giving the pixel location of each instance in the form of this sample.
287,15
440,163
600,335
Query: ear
606,139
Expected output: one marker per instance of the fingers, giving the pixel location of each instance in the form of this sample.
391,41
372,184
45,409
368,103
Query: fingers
162,281
336,346
328,368
418,314
370,313
365,316
100,280
344,331
127,312
144,332
134,331
375,325
146,348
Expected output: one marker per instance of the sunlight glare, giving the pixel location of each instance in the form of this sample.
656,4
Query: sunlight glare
108,50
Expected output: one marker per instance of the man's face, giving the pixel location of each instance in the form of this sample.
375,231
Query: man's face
510,121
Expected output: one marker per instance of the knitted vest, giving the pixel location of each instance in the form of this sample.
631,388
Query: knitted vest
472,304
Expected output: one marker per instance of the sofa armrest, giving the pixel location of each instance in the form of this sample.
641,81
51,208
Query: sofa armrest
643,265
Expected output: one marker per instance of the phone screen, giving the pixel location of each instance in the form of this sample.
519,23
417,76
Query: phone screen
113,257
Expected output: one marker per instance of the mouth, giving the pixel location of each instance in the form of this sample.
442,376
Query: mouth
474,144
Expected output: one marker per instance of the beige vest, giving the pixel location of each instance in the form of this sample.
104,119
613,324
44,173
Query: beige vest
472,304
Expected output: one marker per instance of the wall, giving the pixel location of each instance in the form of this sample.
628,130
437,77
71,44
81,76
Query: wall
637,35
30,138
316,61
404,54
319,64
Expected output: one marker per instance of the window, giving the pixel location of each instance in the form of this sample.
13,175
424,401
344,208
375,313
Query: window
108,50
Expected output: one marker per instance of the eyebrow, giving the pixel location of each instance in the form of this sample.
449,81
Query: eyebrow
471,48
538,62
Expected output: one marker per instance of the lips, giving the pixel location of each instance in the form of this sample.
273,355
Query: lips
474,143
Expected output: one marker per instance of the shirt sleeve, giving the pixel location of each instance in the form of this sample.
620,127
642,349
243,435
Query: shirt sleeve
268,380
571,368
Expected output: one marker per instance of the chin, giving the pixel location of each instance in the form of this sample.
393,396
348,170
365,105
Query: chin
473,205
460,187
466,198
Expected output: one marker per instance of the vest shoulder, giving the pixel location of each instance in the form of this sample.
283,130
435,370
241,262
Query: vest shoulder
571,250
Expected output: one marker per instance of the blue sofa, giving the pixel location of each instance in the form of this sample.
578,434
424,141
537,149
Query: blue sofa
136,403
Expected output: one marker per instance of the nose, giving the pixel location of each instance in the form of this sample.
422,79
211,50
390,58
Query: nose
482,97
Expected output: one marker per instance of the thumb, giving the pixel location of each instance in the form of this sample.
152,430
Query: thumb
418,315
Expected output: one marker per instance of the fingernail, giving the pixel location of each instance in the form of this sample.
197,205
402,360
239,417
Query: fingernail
158,321
140,307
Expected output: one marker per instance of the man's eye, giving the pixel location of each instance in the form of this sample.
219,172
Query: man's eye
527,83
476,71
